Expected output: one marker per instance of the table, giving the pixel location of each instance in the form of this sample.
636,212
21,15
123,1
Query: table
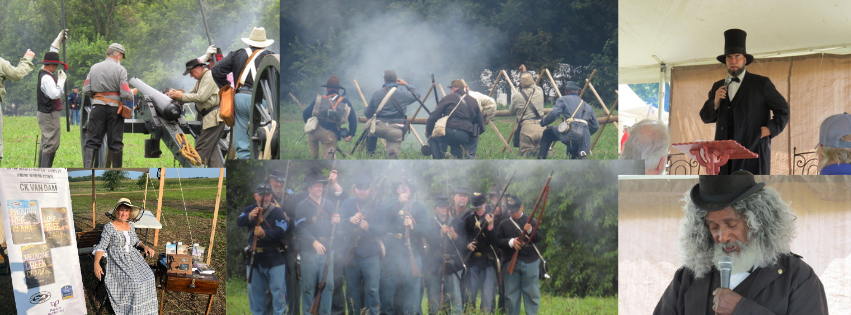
203,284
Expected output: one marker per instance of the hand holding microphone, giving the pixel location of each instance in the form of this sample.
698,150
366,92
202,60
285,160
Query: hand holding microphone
725,299
721,92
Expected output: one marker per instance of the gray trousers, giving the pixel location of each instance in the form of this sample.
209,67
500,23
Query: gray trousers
207,145
523,284
452,293
50,126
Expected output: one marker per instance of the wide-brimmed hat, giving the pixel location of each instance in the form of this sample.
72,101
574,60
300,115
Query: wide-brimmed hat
191,64
52,58
118,47
479,199
333,83
257,38
716,192
457,83
734,43
135,212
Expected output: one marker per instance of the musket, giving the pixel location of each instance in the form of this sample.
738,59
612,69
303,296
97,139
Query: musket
436,101
317,299
297,102
65,88
545,192
415,269
254,243
497,202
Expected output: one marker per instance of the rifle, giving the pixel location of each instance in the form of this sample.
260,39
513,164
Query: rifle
254,243
65,88
415,269
545,192
297,102
497,202
317,299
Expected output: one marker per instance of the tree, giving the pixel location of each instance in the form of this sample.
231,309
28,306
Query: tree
111,179
142,180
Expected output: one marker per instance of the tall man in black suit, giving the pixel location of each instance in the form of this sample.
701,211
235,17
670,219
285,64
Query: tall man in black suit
741,106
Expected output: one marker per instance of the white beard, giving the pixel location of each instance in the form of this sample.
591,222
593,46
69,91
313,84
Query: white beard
744,261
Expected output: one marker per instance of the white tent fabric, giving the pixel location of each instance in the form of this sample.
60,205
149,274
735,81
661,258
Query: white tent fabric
683,32
632,107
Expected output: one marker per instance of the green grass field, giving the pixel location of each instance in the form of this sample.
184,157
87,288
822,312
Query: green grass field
490,147
19,147
237,302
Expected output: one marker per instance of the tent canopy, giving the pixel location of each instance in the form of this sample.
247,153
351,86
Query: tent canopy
682,32
633,108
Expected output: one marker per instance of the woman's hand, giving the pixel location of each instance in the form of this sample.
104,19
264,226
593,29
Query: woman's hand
98,271
149,251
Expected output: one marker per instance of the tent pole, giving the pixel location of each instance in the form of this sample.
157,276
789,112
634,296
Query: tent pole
159,205
215,214
94,201
662,71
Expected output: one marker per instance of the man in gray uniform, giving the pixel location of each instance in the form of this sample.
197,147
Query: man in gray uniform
106,84
14,73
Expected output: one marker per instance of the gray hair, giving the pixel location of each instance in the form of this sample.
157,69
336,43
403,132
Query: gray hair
111,52
649,140
771,228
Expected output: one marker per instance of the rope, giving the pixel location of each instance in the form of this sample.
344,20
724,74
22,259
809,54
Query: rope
188,151
266,153
185,212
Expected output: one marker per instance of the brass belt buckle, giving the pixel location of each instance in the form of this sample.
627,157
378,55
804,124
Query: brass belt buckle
399,235
478,254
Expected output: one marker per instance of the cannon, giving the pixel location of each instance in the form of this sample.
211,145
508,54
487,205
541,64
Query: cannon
263,119
157,115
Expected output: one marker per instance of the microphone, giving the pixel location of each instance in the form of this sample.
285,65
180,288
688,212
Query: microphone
727,82
725,265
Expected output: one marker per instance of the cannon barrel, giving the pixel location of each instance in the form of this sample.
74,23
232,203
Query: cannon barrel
165,107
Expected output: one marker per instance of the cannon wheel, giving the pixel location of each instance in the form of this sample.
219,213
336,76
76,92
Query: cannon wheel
100,154
266,88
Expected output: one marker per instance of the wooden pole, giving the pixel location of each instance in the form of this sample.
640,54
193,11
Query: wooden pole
505,144
593,90
508,79
94,202
145,200
159,205
216,214
495,84
424,100
604,126
442,91
553,82
363,99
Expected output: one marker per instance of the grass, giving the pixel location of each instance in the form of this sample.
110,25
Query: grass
490,147
19,136
237,302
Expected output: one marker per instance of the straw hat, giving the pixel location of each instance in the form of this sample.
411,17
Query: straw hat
135,212
258,38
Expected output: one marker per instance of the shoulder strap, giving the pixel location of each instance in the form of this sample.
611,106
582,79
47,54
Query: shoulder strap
459,103
530,241
581,101
243,74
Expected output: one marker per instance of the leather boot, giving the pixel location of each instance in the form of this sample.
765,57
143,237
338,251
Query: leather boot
116,159
88,157
39,159
47,160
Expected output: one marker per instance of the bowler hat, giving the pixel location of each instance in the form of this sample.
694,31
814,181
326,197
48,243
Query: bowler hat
716,192
734,43
191,64
52,58
333,83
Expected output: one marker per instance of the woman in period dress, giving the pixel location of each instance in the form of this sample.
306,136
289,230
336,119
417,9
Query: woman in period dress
129,280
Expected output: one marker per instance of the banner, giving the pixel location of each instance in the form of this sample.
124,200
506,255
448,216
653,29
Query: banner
39,228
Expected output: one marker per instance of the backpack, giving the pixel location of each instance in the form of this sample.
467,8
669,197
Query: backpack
327,109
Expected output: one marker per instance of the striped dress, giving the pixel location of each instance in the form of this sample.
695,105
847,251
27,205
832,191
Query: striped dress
129,279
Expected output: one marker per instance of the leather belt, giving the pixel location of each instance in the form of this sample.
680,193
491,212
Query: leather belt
207,111
396,235
101,96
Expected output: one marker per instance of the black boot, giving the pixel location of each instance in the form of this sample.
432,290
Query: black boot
38,164
88,157
116,159
46,160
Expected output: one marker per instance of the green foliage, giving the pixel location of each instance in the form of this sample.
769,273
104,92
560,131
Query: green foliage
648,92
111,179
142,180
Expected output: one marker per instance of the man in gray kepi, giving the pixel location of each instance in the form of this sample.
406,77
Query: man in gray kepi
733,216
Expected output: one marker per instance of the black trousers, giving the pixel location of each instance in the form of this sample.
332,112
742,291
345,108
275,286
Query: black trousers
456,139
207,145
105,119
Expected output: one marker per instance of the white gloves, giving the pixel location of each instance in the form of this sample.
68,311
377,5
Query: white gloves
209,53
63,34
60,78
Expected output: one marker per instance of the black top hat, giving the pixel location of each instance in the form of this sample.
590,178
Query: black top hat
333,83
734,43
513,203
52,58
716,192
479,199
191,64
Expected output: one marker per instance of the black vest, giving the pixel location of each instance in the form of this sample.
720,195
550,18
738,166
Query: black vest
45,104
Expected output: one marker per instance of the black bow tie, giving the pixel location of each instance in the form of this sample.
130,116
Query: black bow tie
735,79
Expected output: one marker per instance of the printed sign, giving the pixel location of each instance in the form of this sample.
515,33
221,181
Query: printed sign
56,231
38,266
25,221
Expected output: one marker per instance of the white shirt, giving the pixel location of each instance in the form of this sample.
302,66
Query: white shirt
737,278
734,86
49,87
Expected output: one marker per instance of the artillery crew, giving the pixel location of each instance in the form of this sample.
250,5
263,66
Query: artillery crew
314,220
106,84
206,98
13,73
266,224
243,63
51,87
528,134
581,124
391,124
522,283
331,111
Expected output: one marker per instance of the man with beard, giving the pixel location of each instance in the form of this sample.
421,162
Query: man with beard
735,216
404,220
481,275
314,220
443,267
741,106
523,282
361,248
269,267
